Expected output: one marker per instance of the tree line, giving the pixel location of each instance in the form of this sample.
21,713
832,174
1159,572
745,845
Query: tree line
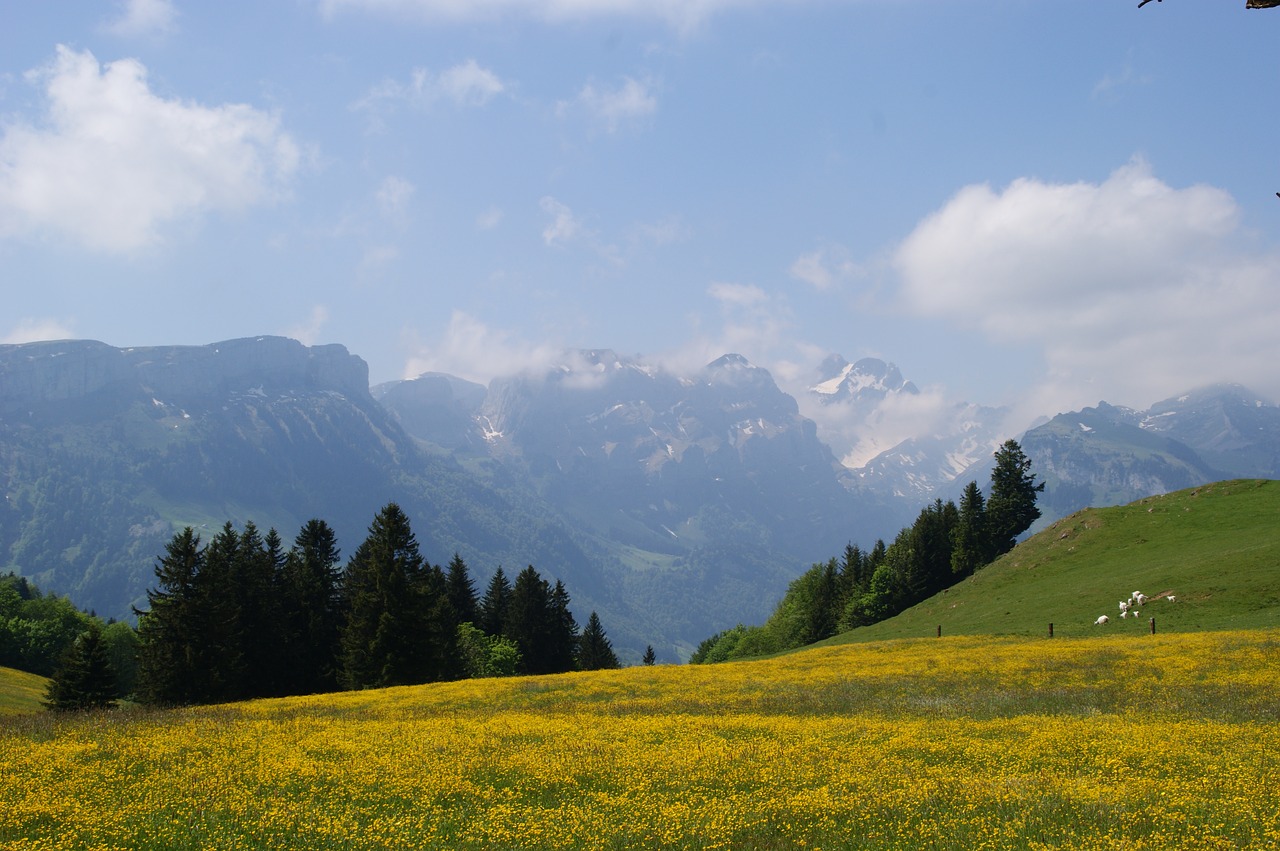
240,617
945,544
243,618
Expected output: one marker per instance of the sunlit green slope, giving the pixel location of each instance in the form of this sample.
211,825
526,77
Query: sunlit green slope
1216,548
20,692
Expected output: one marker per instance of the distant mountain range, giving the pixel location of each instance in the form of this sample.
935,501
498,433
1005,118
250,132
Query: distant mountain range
675,505
1109,455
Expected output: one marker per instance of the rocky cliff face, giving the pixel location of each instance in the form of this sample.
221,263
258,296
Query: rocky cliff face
43,375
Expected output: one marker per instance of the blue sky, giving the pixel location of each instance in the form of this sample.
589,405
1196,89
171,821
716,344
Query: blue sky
1020,202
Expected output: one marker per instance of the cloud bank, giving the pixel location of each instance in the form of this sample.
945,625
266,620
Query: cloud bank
1133,289
112,162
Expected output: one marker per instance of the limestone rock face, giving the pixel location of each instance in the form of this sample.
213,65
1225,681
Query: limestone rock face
34,376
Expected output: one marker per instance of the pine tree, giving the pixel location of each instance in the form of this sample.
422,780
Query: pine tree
256,589
969,540
85,679
492,614
595,652
530,622
649,656
387,600
311,609
171,664
563,641
462,591
217,618
1011,508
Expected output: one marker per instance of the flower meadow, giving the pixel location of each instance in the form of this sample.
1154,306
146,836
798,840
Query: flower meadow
1167,741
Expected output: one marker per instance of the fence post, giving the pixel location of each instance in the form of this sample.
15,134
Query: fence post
940,629
1153,626
1051,630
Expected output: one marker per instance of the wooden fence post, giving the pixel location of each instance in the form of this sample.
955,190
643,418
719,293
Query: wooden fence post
1051,630
940,630
1153,626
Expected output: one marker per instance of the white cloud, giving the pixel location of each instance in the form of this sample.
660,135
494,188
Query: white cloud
630,102
683,15
144,18
112,162
35,330
564,227
465,84
490,218
470,349
308,332
1134,290
824,268
469,84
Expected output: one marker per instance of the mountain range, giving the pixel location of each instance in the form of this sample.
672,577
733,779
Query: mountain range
675,505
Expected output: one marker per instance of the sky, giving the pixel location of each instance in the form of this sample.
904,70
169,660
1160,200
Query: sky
1021,203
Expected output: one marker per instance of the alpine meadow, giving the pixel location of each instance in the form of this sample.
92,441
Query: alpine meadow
1001,738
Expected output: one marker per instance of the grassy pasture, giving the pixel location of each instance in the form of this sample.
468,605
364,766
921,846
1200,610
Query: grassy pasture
21,692
1116,741
1215,547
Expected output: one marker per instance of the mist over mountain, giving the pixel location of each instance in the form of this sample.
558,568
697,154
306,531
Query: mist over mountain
676,504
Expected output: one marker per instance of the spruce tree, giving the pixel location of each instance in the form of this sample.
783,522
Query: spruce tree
1011,508
495,604
563,650
969,540
462,591
386,592
171,666
649,656
85,679
311,609
530,622
595,652
217,618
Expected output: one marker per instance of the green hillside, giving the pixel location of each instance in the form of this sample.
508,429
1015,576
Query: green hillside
20,692
1215,547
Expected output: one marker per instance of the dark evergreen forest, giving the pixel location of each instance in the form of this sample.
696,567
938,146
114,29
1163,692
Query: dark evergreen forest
241,617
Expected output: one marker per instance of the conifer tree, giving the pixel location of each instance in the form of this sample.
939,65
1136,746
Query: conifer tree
970,543
386,592
1011,508
256,586
563,650
85,679
171,659
311,614
530,622
595,651
217,618
495,604
462,591
649,656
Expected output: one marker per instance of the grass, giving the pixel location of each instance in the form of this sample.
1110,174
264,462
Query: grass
1215,547
20,692
1119,741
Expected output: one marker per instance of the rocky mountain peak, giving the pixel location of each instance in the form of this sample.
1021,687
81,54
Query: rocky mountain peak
867,379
